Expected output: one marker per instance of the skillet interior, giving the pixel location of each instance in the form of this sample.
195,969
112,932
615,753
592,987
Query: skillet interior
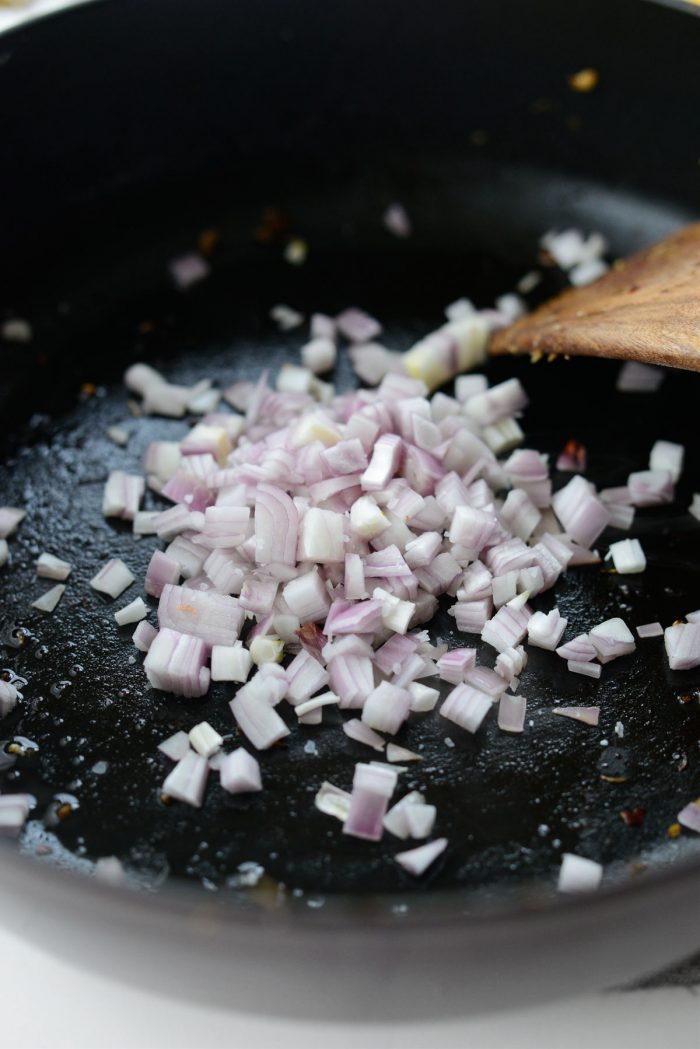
478,212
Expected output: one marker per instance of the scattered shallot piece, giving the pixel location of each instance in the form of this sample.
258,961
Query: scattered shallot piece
689,816
586,715
188,780
579,650
239,772
285,317
612,639
586,669
113,578
395,821
650,630
176,746
466,706
371,790
545,630
634,377
131,613
188,269
326,699
118,435
417,861
14,810
205,740
420,820
10,518
511,713
396,754
628,556
144,636
396,221
578,874
230,662
333,801
48,601
50,567
362,733
665,455
8,698
386,708
683,646
122,495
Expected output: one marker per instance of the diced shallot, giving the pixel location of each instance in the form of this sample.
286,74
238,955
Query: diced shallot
362,733
113,578
131,613
578,874
144,636
584,668
187,781
50,567
371,790
545,629
683,646
511,713
239,772
646,630
586,715
417,861
466,706
386,708
48,601
628,556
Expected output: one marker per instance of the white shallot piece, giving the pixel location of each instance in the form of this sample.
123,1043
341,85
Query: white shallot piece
113,578
372,787
8,697
50,567
176,746
578,874
511,713
188,780
628,557
586,715
646,630
48,601
240,772
417,861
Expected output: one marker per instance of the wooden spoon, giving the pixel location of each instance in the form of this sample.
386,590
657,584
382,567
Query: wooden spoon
647,308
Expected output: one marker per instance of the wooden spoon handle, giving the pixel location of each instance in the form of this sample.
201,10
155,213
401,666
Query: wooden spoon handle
647,308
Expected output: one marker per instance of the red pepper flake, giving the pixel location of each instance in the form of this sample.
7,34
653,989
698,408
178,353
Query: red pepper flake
272,226
64,810
576,451
208,241
311,637
584,80
633,817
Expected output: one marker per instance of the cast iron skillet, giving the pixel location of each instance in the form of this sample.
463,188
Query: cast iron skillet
127,128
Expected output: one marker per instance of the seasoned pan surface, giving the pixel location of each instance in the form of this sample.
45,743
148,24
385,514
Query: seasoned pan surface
89,726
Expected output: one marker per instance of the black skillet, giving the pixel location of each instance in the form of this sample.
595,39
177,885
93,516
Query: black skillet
126,129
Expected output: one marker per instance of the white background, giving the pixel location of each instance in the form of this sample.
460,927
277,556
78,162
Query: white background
47,1004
